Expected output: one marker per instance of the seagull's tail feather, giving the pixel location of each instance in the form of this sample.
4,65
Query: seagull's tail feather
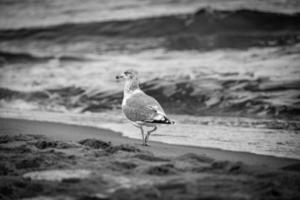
164,120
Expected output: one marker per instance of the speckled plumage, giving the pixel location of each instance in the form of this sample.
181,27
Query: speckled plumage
140,108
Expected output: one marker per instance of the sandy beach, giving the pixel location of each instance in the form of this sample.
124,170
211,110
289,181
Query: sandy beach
43,160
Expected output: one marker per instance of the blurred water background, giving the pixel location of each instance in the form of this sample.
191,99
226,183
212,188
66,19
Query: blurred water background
227,71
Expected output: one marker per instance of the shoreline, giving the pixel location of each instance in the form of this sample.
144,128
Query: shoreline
235,127
72,132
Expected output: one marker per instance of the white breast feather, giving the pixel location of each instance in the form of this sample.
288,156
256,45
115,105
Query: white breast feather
128,96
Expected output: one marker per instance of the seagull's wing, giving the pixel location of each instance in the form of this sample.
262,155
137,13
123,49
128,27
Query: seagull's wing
141,107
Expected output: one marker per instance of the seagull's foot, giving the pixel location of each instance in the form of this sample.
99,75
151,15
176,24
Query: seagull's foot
145,144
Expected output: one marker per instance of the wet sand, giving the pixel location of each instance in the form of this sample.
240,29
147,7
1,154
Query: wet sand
58,161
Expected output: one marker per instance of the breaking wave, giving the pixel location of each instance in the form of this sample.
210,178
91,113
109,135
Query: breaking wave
244,97
205,29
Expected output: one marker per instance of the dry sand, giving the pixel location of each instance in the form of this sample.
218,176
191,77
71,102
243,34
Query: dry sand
41,160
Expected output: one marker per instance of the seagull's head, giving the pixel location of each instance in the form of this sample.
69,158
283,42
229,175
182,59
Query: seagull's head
128,75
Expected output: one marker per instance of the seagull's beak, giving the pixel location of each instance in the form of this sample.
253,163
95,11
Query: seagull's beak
120,76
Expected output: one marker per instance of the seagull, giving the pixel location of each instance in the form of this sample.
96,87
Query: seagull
140,108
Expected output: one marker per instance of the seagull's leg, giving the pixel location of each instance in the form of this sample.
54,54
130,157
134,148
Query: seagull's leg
148,134
143,137
142,132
